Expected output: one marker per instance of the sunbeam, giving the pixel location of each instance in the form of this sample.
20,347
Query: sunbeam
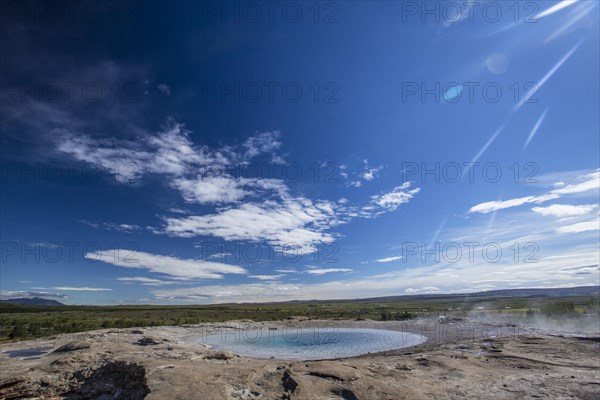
484,148
547,76
535,128
555,8
579,14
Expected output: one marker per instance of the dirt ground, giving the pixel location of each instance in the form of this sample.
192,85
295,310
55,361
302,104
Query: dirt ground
460,360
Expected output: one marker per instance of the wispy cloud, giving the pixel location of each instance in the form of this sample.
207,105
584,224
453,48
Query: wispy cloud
579,227
212,189
289,223
252,209
169,152
171,266
266,277
112,226
264,143
146,281
550,271
218,255
322,271
294,224
390,201
81,289
389,259
164,89
587,182
370,173
11,294
495,205
423,290
565,210
287,271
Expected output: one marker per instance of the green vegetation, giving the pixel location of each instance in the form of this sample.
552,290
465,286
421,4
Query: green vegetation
19,322
593,306
558,309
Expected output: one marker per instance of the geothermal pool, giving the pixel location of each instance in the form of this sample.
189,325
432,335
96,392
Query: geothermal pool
307,343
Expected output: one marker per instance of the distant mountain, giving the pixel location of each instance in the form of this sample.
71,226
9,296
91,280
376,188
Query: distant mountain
592,291
502,293
36,301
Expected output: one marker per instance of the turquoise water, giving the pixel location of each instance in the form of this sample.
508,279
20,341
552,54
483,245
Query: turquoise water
308,344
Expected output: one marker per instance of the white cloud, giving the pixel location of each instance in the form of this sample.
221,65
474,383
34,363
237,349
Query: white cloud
269,212
112,226
565,210
557,262
169,152
322,271
370,173
12,294
287,271
490,206
399,195
390,201
127,227
590,181
551,270
585,270
584,183
146,281
266,277
218,255
211,190
165,89
580,227
264,143
423,290
292,225
127,161
366,174
389,259
225,189
172,266
81,289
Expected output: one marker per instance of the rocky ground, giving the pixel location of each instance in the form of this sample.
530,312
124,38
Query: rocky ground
461,360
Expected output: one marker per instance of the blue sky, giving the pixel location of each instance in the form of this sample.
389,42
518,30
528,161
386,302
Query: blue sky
192,153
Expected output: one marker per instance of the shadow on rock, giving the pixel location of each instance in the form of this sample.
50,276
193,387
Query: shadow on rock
115,380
